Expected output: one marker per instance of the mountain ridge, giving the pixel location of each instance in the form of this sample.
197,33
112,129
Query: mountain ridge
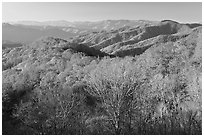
27,32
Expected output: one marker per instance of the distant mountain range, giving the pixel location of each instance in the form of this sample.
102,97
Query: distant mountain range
98,25
135,40
28,31
110,36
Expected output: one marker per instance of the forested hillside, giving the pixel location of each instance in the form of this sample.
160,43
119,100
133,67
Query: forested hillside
132,80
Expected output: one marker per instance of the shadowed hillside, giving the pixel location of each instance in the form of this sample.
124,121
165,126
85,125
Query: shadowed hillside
10,44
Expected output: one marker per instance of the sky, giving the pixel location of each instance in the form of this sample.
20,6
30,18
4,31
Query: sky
43,11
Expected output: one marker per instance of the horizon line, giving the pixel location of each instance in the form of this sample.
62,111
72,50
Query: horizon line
97,20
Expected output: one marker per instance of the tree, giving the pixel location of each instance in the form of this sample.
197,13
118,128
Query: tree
48,111
115,82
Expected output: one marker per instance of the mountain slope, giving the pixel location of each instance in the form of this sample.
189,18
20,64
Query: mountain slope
122,39
10,44
44,48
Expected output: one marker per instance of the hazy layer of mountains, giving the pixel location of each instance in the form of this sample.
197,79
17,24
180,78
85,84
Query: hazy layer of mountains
110,37
28,31
113,37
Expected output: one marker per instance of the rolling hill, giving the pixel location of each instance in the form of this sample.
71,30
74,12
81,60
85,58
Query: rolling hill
125,38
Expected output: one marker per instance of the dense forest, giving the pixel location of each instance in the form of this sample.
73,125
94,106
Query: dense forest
57,87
